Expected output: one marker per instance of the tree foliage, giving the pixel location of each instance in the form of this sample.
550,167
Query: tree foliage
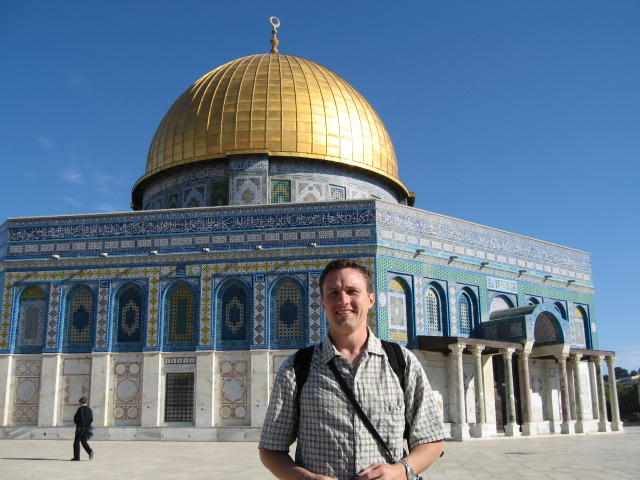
628,402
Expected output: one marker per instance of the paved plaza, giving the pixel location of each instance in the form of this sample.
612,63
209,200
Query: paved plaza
586,457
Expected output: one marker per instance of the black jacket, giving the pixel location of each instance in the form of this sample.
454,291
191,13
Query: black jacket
83,417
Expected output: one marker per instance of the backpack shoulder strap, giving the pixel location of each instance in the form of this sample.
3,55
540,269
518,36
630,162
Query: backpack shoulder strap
396,360
301,367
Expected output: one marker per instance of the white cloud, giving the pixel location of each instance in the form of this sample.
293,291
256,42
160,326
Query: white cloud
71,175
46,143
628,357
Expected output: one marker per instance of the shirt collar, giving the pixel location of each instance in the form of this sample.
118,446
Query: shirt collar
328,350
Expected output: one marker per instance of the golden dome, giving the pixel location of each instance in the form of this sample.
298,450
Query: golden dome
279,105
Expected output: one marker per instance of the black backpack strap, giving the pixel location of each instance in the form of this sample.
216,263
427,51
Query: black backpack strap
301,367
398,365
396,360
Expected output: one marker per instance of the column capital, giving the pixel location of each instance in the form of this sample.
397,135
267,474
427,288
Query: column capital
457,348
476,350
611,359
597,359
575,357
523,354
507,353
561,357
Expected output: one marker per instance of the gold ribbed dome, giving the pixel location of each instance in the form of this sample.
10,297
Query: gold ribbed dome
281,105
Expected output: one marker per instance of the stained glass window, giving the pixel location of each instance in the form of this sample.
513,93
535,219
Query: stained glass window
32,317
280,191
131,310
579,323
337,193
81,316
432,310
464,314
182,313
289,309
219,194
234,314
398,305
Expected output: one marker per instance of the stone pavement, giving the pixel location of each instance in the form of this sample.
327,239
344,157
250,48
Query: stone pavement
585,457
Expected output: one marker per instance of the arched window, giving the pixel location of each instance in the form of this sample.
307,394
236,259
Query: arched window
234,313
465,313
130,315
182,313
561,309
32,316
500,302
398,305
533,301
579,325
432,310
81,316
288,309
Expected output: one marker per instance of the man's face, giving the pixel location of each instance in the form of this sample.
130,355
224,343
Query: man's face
346,301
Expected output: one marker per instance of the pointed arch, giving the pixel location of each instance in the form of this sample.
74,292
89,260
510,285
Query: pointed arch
288,312
130,315
547,330
81,315
500,302
561,308
32,316
467,311
234,313
400,313
580,327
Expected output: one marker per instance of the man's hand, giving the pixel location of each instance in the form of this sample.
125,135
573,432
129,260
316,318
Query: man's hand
383,471
283,467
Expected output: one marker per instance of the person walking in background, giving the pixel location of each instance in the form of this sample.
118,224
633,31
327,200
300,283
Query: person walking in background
83,420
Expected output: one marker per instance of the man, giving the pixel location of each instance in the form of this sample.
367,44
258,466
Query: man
83,420
333,443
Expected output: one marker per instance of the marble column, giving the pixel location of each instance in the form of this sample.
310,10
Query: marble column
603,421
511,429
480,429
49,411
593,388
6,367
571,383
616,424
101,378
260,374
204,391
460,427
529,427
151,390
567,426
579,387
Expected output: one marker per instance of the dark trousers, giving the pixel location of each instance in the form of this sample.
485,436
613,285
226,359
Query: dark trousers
81,437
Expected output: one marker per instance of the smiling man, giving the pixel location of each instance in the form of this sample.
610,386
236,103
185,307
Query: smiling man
334,441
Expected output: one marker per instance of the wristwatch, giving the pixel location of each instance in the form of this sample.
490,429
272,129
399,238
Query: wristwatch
410,474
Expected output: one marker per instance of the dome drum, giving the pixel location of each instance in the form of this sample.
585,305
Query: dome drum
257,179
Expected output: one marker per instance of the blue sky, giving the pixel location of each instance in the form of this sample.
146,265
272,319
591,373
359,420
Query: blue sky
518,115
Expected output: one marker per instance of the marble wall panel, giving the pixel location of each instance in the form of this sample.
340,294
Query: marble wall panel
76,383
27,391
234,371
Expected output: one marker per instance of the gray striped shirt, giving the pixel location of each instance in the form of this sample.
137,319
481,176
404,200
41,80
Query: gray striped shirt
332,440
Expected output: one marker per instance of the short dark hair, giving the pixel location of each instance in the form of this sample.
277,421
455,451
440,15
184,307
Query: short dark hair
83,400
341,264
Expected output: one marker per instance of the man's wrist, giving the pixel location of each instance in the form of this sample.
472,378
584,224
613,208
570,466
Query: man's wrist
408,468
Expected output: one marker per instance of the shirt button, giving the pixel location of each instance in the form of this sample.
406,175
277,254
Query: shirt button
359,463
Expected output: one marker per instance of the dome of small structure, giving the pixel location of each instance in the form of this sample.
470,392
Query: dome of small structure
278,105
